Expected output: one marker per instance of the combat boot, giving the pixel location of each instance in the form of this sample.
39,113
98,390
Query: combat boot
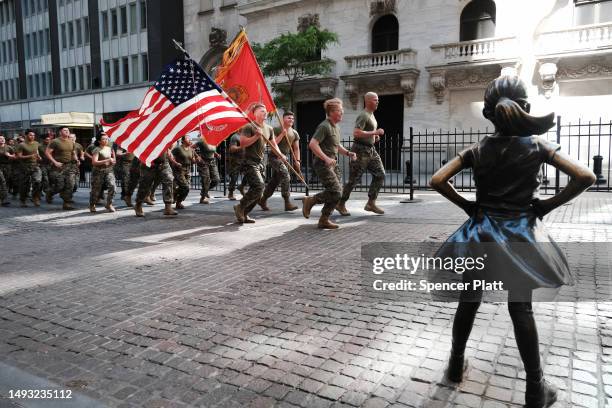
36,200
48,197
179,206
148,200
138,209
204,200
325,223
263,203
341,208
110,208
67,206
230,196
307,205
248,220
92,208
288,205
239,212
152,197
128,200
457,366
371,206
168,210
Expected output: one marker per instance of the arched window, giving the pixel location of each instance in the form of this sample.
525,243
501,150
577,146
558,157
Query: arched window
478,20
385,34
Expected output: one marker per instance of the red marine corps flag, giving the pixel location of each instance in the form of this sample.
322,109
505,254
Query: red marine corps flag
183,99
239,75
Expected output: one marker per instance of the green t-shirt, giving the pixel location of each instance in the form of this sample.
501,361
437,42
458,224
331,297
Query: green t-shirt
205,150
256,151
126,157
366,122
328,136
183,155
27,149
62,150
3,151
78,149
41,151
288,141
90,149
235,141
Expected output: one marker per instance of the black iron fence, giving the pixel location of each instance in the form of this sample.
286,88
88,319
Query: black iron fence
411,161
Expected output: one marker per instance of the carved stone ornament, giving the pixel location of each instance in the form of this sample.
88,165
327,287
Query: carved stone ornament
408,84
548,75
217,37
308,20
592,70
381,7
437,79
472,77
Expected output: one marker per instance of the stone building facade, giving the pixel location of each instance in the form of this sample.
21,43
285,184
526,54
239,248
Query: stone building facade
431,60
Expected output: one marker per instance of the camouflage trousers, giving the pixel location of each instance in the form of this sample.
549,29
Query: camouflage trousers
234,170
182,181
5,173
209,175
330,180
254,175
129,173
62,180
153,176
367,159
101,176
44,171
280,175
30,177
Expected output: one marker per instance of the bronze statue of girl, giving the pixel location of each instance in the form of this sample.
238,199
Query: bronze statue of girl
507,173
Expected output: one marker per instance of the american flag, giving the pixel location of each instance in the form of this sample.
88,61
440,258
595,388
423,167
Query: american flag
183,99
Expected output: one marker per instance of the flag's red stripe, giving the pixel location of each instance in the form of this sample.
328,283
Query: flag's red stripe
160,101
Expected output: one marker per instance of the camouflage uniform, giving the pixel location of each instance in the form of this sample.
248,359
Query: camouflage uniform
159,172
367,159
134,175
81,169
102,175
5,170
234,162
207,168
254,170
44,167
182,176
30,175
123,170
280,172
62,179
328,136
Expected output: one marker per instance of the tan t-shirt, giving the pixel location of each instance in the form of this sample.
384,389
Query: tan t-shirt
288,141
366,122
27,149
256,151
62,150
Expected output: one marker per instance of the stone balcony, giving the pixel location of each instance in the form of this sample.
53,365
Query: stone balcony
384,72
471,64
574,54
313,87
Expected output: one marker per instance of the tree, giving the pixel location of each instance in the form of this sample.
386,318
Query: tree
294,57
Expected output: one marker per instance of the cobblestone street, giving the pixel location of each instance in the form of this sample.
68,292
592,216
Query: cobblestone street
198,311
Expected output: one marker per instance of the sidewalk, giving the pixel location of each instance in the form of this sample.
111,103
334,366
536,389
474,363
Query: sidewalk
196,310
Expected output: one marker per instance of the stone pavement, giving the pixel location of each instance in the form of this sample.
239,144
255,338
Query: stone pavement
198,311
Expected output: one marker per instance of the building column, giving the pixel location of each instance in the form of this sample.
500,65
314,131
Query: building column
23,89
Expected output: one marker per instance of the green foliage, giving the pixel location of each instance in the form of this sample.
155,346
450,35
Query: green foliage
292,57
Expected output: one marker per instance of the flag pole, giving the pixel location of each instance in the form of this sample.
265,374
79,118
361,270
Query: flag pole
277,152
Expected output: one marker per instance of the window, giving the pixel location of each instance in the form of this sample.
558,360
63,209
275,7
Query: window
73,79
592,12
32,6
26,44
385,34
66,83
41,42
134,68
36,91
4,55
114,30
477,20
143,14
49,83
107,73
26,10
85,76
86,28
46,41
70,28
116,77
145,68
133,19
105,25
79,33
126,70
123,15
63,30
